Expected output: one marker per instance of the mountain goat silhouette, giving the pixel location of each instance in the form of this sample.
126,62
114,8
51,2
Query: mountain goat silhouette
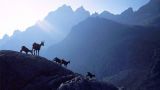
64,62
57,60
36,48
61,61
25,49
90,75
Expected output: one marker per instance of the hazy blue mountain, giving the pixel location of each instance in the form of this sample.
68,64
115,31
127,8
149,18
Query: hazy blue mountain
124,17
148,12
109,49
155,22
4,40
91,40
52,29
107,15
140,17
64,18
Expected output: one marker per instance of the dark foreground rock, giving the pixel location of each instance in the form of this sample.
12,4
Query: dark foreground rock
81,83
26,72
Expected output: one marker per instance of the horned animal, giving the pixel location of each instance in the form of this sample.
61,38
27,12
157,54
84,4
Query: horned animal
90,75
36,48
64,62
57,60
25,49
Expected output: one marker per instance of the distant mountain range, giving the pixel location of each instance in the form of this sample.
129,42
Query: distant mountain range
118,48
121,49
57,25
52,29
141,17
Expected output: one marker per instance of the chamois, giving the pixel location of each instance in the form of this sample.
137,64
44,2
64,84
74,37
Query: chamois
25,49
36,48
65,63
57,60
90,75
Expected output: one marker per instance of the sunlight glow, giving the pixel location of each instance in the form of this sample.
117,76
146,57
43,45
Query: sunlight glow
48,28
45,26
20,14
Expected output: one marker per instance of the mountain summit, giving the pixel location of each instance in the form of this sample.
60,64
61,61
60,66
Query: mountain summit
54,28
148,11
143,16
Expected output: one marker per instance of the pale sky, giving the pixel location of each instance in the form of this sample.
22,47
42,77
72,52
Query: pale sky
20,14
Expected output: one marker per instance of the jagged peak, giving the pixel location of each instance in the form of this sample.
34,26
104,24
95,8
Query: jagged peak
16,32
65,7
128,11
5,36
60,11
95,14
152,8
80,9
106,12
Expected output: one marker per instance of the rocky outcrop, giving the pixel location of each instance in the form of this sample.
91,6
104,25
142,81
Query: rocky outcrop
80,83
26,72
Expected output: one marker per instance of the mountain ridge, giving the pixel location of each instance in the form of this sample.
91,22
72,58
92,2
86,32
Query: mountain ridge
52,29
97,45
27,72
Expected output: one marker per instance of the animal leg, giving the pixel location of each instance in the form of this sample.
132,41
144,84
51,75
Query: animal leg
38,52
33,52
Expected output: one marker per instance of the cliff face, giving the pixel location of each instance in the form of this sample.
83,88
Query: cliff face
26,72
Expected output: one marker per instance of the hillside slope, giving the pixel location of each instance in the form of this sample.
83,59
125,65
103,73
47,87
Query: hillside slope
26,72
